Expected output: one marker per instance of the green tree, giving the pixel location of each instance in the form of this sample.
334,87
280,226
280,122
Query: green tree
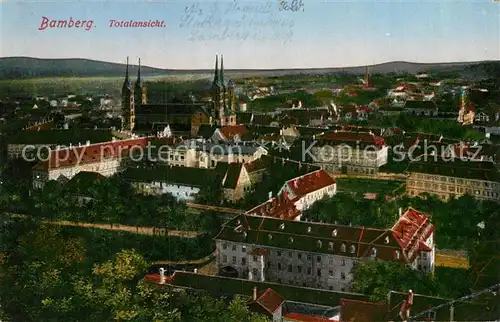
378,278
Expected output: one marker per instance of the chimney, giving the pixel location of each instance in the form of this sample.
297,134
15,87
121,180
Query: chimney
400,211
162,275
88,143
254,296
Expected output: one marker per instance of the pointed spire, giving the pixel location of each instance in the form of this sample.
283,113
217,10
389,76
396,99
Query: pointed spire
216,74
222,70
126,83
138,82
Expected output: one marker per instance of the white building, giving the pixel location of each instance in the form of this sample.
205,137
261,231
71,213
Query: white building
318,255
297,195
352,152
103,158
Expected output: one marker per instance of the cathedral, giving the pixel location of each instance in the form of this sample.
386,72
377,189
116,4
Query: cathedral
142,117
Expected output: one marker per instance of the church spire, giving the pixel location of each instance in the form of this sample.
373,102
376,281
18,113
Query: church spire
126,83
216,74
138,82
222,70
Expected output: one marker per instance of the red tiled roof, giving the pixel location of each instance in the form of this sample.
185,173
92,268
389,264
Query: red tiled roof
299,317
310,182
88,154
269,300
364,137
411,230
230,131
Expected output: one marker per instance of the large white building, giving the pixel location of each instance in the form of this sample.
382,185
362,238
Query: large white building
319,255
103,158
354,152
205,154
297,195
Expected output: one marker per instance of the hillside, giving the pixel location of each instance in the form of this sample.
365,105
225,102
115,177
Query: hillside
26,67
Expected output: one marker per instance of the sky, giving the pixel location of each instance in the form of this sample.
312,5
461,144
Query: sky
256,34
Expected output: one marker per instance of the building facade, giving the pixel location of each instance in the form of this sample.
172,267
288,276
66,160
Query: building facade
453,178
349,152
103,158
319,255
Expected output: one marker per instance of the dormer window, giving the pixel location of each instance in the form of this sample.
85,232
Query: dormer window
282,226
374,252
238,222
352,249
245,234
342,248
290,239
270,236
397,254
330,245
319,243
334,233
309,229
387,239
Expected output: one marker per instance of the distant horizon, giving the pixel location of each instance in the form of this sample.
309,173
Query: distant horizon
253,35
254,69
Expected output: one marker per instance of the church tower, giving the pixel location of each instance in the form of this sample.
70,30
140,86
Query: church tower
221,109
140,89
128,105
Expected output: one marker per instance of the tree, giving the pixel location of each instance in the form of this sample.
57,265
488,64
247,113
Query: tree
378,278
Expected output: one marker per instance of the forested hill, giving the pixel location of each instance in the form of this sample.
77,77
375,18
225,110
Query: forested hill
27,67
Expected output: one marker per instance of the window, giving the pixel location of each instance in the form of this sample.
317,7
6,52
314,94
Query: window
234,248
290,239
224,246
330,246
342,248
319,243
270,236
318,271
308,271
254,258
282,226
244,249
396,254
279,266
374,252
330,272
330,288
308,257
309,229
330,260
318,259
243,261
234,259
278,252
289,268
254,272
299,269
343,289
387,240
353,249
224,258
342,276
342,262
334,232
299,256
290,254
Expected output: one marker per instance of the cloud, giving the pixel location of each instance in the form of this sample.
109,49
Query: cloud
387,34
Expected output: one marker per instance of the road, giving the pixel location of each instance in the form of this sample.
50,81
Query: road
215,208
151,231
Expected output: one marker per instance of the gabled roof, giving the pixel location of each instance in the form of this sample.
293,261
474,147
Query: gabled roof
310,182
230,132
456,167
327,238
269,300
92,153
348,137
232,175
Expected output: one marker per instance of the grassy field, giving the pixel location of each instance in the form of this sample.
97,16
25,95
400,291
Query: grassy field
361,185
451,259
